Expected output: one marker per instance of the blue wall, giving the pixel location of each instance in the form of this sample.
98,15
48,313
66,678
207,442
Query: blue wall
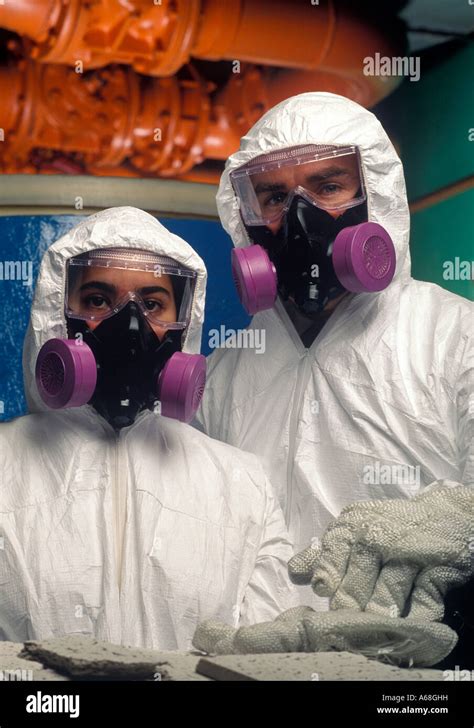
26,238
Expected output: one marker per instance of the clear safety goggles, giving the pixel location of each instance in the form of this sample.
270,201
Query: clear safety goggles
329,177
101,282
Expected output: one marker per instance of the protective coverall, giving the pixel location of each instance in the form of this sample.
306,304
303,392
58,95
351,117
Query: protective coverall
131,536
380,405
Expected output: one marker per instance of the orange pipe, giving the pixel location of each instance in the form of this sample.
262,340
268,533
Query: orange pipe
164,126
272,32
249,94
101,119
158,39
160,126
33,19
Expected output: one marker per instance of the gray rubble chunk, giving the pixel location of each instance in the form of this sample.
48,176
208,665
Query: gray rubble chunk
16,668
85,658
305,666
179,666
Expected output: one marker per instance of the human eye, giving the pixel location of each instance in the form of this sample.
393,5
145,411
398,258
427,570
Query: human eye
330,188
275,199
95,302
154,305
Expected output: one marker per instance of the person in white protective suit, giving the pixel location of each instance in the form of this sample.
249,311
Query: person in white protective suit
116,521
361,407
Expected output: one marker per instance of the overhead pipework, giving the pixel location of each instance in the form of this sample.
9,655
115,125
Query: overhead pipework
116,86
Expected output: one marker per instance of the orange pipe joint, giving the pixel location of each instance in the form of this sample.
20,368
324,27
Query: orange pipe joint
104,118
33,19
159,39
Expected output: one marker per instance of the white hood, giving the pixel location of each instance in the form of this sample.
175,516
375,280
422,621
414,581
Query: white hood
323,118
125,227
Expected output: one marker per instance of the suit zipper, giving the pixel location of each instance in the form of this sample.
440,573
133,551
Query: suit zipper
301,384
307,354
297,403
119,500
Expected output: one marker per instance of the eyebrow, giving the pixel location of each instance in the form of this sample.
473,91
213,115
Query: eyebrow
331,172
106,287
154,289
109,288
262,187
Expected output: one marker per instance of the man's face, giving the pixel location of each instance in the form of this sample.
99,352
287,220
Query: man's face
329,181
100,289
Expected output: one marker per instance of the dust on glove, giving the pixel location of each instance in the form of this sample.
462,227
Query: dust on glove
402,642
394,557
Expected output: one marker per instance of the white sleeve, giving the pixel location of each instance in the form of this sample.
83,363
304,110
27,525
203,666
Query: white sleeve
270,591
461,380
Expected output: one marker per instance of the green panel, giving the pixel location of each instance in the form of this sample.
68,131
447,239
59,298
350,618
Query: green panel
429,121
440,234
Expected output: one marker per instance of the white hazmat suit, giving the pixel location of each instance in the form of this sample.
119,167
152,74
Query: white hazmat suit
381,404
132,537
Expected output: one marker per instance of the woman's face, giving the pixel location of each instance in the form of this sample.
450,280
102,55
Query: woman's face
99,289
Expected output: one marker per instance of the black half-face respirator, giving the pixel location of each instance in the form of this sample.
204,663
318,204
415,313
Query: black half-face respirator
302,252
305,211
113,359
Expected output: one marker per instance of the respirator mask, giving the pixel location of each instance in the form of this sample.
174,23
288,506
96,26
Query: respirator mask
126,312
305,211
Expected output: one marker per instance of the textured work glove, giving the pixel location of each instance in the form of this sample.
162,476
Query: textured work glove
301,629
394,557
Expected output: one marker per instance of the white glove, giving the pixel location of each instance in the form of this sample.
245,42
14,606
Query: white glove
394,557
301,629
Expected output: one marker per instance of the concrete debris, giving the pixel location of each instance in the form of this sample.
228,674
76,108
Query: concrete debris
14,667
305,666
179,666
82,658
